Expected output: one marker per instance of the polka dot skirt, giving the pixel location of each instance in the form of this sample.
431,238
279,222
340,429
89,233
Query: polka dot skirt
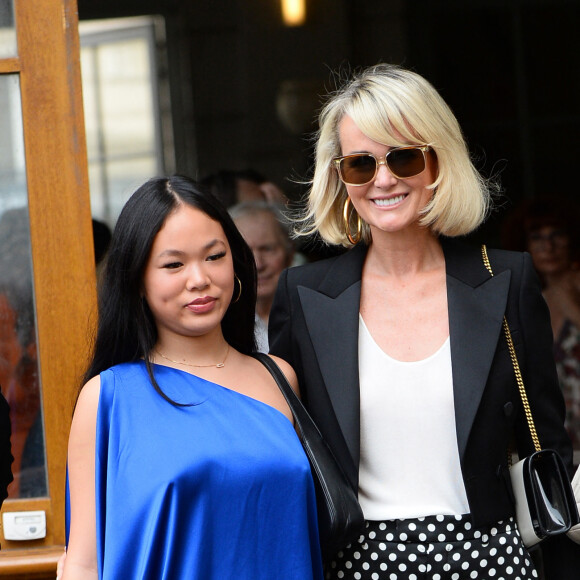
434,548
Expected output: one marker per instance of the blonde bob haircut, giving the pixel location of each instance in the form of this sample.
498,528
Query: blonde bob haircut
395,107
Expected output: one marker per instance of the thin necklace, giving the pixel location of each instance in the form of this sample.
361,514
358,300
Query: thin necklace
217,366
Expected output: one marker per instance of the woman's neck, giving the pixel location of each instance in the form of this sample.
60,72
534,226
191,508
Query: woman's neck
404,253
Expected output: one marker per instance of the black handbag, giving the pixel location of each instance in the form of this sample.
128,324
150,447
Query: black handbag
340,517
544,500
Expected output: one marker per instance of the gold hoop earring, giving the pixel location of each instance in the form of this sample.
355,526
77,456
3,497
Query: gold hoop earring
354,240
240,291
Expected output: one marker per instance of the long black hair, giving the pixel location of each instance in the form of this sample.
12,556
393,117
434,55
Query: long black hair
126,329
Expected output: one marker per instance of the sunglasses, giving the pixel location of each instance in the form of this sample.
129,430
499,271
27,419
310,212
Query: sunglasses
361,168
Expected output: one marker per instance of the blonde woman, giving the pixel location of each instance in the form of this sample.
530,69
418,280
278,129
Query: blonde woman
398,343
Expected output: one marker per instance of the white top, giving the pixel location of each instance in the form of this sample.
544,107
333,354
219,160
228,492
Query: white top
409,461
261,334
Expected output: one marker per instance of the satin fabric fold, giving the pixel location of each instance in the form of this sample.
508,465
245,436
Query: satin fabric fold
215,490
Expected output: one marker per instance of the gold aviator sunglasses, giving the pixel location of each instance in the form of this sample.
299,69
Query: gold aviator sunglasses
361,168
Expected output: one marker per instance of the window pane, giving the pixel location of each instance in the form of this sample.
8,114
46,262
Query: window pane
122,112
7,31
19,373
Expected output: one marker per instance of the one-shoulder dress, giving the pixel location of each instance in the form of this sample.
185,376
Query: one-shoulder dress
217,490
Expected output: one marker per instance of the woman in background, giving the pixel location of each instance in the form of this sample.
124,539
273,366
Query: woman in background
548,228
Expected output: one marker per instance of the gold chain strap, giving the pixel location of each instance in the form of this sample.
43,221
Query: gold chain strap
520,381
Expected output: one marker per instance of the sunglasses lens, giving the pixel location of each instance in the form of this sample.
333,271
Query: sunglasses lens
406,162
358,169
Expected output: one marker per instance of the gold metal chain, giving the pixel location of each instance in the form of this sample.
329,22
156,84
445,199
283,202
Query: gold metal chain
519,379
220,365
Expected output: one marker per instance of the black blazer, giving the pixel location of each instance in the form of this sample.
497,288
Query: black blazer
314,326
5,449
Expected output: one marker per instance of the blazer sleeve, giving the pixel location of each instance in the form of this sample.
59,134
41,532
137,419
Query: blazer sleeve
560,556
539,371
5,449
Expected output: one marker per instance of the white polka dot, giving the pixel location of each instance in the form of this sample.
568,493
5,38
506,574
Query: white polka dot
447,567
502,541
467,525
485,538
422,568
372,535
403,537
422,537
450,527
436,576
509,549
374,556
412,526
357,555
382,546
455,576
382,526
516,560
412,557
456,556
348,564
493,531
460,537
431,527
375,576
438,557
366,566
393,577
493,552
440,518
491,572
340,574
357,576
477,534
402,567
467,545
483,563
412,577
500,560
389,537
421,548
473,574
401,547
474,554
383,566
392,556
465,565
509,570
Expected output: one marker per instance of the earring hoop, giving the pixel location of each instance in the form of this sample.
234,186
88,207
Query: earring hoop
240,291
354,240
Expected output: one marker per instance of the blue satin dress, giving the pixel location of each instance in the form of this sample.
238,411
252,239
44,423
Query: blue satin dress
217,490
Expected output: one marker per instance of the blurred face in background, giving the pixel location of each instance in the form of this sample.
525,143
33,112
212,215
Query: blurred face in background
550,250
271,251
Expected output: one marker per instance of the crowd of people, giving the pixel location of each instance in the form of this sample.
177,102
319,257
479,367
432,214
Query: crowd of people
184,461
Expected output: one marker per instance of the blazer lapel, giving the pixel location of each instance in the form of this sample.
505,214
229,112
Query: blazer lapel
476,304
332,318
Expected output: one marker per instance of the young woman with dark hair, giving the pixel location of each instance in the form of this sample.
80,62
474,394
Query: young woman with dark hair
183,459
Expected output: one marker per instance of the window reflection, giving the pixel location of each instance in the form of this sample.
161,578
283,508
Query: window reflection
19,374
7,31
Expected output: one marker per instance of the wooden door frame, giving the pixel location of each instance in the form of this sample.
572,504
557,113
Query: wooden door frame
48,64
